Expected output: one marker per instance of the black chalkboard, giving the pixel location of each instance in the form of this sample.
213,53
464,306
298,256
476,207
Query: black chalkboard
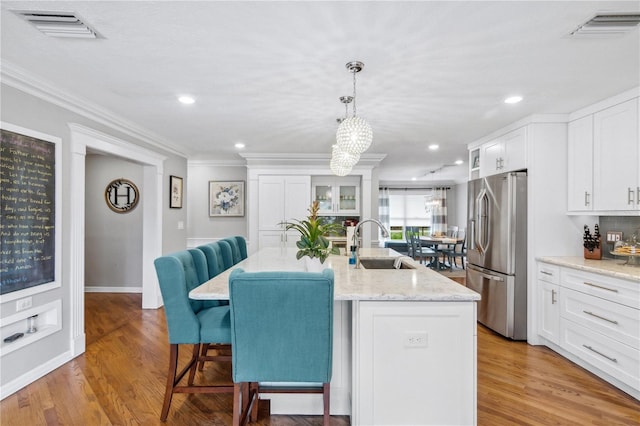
27,207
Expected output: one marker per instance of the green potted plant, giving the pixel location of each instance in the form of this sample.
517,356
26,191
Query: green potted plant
313,232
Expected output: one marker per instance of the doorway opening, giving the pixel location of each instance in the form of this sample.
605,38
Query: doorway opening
83,138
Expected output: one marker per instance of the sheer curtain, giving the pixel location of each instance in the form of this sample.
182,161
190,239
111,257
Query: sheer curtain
439,216
383,207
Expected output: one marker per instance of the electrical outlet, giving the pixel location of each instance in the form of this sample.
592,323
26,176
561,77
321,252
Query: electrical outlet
415,339
180,224
23,304
613,236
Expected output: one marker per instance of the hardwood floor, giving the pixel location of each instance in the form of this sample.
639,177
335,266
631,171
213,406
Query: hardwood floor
121,377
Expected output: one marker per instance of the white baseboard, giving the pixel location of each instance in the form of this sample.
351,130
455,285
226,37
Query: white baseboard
33,375
104,289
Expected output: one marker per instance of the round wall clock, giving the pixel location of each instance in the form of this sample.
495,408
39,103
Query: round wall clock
121,195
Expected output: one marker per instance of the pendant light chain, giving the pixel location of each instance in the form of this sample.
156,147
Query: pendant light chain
354,91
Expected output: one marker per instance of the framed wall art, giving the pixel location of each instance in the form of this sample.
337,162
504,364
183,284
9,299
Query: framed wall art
226,198
175,194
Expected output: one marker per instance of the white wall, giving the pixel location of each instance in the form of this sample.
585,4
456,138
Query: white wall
460,216
31,111
200,227
113,241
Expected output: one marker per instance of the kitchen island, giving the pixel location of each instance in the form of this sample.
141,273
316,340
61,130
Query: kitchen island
404,340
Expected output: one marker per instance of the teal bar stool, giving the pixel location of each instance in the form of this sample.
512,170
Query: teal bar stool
226,252
213,254
281,332
235,249
242,245
190,322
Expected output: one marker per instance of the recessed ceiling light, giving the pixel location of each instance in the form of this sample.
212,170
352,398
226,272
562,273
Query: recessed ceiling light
433,146
513,100
458,162
187,100
414,178
239,145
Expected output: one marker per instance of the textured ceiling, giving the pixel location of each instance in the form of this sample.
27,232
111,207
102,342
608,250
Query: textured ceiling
269,74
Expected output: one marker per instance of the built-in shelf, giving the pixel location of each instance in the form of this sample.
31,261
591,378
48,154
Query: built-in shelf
48,321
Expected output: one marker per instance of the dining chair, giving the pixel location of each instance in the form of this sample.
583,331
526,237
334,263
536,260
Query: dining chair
459,250
190,322
281,333
420,253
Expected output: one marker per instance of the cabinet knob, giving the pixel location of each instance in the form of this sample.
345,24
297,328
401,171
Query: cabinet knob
586,198
630,196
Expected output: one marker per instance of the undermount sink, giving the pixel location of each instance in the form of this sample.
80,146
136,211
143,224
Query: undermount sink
384,264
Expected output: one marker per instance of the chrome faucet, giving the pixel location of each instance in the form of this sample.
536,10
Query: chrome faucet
385,234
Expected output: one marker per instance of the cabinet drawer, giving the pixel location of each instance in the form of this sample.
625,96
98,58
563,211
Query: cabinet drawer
614,358
548,273
616,321
609,288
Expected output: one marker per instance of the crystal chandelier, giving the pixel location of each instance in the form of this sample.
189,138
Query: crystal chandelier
342,162
354,134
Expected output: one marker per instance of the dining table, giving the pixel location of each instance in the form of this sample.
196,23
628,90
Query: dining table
434,241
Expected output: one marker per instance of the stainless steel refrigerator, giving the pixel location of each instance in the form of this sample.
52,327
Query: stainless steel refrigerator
497,251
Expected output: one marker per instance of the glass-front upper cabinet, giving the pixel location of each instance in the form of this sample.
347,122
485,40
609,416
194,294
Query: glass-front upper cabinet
337,196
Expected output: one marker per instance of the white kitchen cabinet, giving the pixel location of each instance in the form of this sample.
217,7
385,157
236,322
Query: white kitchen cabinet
548,302
616,157
604,160
281,199
337,196
595,322
580,166
404,372
505,153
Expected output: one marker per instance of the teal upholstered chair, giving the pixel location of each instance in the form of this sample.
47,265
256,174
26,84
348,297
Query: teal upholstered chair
189,321
227,253
281,331
213,254
242,246
215,266
235,249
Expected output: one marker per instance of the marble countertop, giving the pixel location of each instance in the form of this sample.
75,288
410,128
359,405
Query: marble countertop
610,267
420,283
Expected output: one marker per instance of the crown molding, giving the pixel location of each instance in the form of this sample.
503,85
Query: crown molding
301,159
216,163
27,82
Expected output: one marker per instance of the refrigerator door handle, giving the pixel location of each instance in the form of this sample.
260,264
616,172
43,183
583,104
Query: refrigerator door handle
483,212
485,275
472,233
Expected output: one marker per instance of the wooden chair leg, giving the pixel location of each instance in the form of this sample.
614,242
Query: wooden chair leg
237,407
254,399
193,363
205,349
171,377
326,399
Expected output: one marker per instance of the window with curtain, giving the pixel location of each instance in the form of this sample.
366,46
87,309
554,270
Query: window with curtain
408,209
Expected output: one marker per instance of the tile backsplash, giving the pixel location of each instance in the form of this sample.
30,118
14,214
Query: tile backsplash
628,225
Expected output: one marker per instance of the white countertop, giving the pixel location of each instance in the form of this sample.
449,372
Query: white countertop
610,267
350,283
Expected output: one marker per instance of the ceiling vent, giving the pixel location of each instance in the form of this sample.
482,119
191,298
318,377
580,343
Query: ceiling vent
607,25
57,24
